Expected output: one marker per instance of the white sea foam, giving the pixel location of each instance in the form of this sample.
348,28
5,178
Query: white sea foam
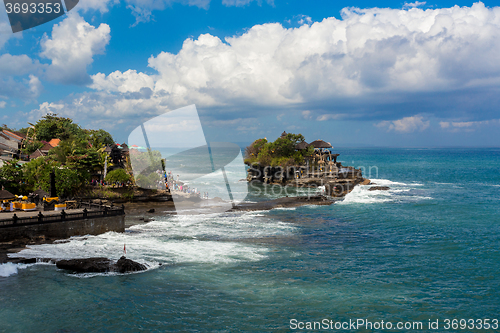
386,182
173,239
360,194
8,269
398,192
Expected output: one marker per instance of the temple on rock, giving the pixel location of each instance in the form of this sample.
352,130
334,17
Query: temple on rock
319,166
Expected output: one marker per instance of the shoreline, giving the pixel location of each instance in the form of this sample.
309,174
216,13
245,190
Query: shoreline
146,211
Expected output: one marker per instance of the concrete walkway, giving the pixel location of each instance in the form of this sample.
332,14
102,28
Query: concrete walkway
20,213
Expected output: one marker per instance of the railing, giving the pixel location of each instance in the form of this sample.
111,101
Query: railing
102,211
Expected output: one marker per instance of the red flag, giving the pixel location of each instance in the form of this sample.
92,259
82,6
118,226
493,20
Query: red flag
124,249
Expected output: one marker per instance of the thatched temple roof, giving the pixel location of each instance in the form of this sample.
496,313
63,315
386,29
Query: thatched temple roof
302,145
321,144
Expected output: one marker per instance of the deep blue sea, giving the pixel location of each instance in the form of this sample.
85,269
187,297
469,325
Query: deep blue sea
426,250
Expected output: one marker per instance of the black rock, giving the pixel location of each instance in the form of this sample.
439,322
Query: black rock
379,188
88,265
152,210
100,265
124,265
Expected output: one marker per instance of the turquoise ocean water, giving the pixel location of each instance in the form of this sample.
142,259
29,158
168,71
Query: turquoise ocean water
427,249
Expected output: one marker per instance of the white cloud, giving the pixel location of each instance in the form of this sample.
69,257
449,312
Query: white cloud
467,126
2,104
14,65
405,125
304,19
414,4
368,59
72,47
369,51
35,86
129,81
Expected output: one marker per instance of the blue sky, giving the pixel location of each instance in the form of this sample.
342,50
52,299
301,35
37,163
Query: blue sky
360,73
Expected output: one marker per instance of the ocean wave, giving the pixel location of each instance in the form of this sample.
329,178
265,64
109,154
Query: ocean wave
398,192
174,239
387,182
8,269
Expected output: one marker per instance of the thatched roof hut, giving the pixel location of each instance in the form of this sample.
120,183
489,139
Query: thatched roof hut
6,195
321,144
41,193
302,145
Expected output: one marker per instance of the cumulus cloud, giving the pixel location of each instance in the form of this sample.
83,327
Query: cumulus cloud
71,49
129,81
405,125
369,54
374,63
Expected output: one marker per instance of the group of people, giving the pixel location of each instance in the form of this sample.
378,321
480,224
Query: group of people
173,184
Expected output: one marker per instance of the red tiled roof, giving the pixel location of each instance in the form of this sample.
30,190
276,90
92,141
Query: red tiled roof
13,135
54,142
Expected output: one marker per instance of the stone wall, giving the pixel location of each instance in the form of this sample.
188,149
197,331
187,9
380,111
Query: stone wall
64,229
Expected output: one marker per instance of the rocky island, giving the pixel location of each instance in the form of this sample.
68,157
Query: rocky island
291,161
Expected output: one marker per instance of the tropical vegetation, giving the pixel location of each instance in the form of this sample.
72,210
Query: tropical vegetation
281,152
78,156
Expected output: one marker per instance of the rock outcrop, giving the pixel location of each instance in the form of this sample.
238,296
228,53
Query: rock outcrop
100,265
88,265
285,202
379,188
124,265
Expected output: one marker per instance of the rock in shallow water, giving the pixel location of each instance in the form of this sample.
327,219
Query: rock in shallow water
379,188
124,265
88,265
100,265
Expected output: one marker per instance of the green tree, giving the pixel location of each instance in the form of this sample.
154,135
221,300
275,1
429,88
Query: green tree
281,152
31,147
68,181
99,138
52,126
37,173
11,177
117,175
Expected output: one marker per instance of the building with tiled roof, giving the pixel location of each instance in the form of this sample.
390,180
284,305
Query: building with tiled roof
54,142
